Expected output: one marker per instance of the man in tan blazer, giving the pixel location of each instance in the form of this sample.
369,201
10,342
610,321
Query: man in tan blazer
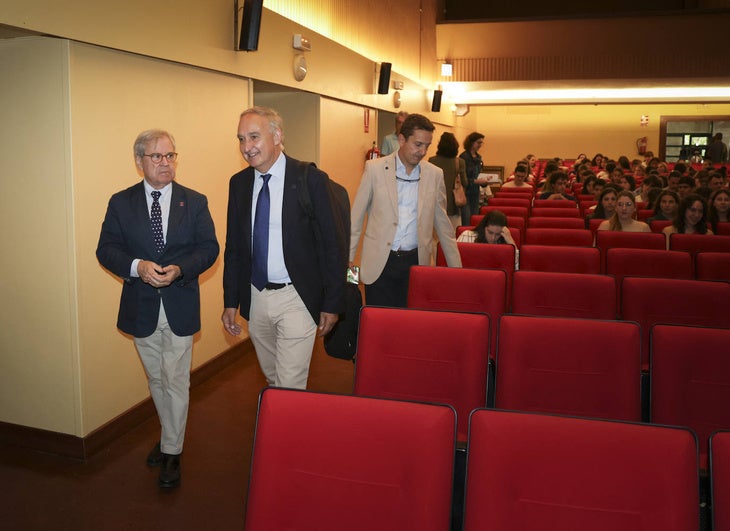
405,200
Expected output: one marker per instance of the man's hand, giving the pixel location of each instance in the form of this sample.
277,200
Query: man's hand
229,321
326,323
155,275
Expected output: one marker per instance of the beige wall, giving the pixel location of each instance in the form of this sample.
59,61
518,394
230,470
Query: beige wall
567,130
39,364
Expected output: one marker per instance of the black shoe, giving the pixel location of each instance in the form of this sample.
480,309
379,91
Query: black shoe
169,471
154,458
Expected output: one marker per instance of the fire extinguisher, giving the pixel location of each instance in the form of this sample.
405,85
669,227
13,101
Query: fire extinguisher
641,144
373,152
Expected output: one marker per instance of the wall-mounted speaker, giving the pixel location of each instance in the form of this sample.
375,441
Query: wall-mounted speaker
384,79
250,25
436,103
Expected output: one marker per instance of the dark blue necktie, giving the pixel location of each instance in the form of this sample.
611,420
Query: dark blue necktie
156,221
260,258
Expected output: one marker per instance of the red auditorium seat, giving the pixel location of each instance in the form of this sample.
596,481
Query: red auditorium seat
690,380
576,295
555,212
524,191
723,228
530,471
581,367
428,356
622,262
347,462
560,259
644,214
698,243
509,201
460,290
555,223
720,475
658,225
712,266
593,224
570,237
650,301
554,203
506,210
606,239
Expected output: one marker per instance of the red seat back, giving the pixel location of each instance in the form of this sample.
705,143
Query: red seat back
712,266
570,237
555,212
334,458
429,356
509,201
554,203
530,471
460,290
560,259
720,474
555,223
690,379
506,210
622,262
658,225
650,301
699,243
574,295
606,239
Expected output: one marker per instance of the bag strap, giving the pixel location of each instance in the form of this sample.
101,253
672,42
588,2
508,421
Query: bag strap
457,179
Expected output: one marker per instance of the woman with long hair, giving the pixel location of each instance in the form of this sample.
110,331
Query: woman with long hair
472,144
446,158
623,218
718,208
665,206
691,217
606,205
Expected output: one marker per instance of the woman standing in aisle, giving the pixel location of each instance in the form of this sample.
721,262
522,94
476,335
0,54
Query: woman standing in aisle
472,144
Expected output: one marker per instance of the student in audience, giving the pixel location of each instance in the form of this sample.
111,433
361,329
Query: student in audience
715,181
627,182
589,185
597,160
685,187
673,181
651,198
663,168
718,208
649,182
624,164
665,206
606,205
691,218
530,161
519,178
555,187
491,229
623,217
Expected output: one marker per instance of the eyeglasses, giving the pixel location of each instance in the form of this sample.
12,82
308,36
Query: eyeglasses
156,158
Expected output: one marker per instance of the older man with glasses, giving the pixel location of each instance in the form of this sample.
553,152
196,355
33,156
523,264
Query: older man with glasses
158,237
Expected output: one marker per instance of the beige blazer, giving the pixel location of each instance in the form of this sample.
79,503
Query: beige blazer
377,197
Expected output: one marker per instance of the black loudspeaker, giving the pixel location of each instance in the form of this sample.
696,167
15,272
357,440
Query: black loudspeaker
249,40
436,103
384,79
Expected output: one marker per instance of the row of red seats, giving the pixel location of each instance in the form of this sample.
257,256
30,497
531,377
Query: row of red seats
646,301
361,463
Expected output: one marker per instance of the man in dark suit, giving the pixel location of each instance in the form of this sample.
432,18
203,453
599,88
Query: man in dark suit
287,286
158,237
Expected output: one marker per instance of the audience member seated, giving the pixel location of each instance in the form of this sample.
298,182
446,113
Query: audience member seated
519,178
716,181
606,205
491,229
685,187
623,217
555,187
691,218
673,180
642,192
592,185
718,208
665,206
627,182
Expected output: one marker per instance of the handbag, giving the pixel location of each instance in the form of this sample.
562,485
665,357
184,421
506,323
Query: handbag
459,194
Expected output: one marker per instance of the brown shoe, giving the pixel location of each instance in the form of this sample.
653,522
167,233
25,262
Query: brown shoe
169,471
154,458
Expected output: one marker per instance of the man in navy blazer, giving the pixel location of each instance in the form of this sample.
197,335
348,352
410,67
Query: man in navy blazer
158,237
303,289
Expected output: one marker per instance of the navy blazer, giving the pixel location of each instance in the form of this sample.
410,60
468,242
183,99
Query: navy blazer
191,244
319,280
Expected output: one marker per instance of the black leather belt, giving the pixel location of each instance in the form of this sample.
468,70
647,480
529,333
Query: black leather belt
401,253
274,285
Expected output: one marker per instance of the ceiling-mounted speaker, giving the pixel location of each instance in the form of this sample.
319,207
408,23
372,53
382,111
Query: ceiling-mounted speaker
250,25
436,103
384,79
